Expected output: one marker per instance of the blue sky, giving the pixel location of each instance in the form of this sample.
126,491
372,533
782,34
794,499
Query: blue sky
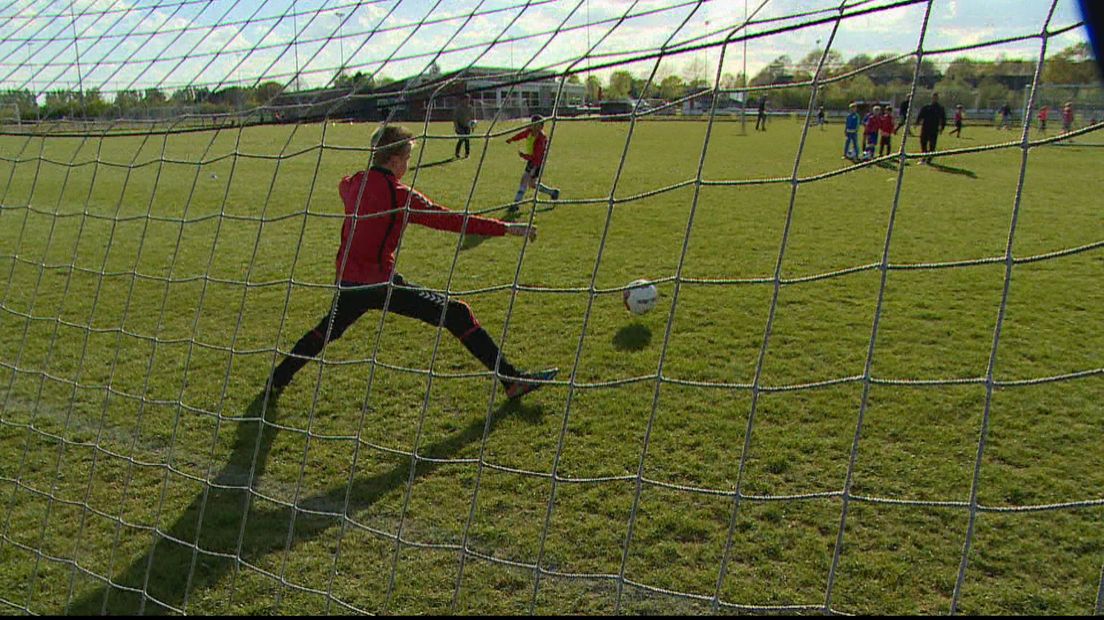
169,44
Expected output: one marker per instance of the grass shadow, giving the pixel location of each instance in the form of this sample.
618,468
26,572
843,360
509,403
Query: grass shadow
171,581
1071,143
432,164
953,170
632,337
473,241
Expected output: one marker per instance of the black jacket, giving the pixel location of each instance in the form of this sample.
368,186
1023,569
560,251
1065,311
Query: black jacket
932,118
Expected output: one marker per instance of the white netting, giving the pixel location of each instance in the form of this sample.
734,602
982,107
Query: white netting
169,188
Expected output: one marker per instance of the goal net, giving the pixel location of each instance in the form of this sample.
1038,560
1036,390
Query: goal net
872,382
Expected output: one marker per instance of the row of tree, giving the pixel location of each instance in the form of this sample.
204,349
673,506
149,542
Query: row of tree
975,83
131,103
883,77
91,103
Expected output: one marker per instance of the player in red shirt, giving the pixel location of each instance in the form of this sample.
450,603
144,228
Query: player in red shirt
871,124
536,147
886,130
1044,114
957,131
377,209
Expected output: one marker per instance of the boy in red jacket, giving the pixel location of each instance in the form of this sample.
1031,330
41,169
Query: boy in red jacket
886,130
536,146
377,210
872,124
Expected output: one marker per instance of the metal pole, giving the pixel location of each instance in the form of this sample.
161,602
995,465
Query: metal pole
743,104
295,43
76,54
341,40
34,95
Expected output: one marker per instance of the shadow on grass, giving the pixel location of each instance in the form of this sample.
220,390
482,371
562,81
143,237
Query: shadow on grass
1070,142
953,170
473,241
171,583
432,164
632,337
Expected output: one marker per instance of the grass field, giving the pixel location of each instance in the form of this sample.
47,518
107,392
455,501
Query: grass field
133,355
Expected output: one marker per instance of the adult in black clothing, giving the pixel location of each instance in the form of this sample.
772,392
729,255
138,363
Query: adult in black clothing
761,119
932,120
462,120
1005,115
904,108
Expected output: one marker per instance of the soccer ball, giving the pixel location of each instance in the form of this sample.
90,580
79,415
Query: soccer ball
640,297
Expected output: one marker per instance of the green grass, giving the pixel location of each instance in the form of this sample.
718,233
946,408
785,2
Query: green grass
120,396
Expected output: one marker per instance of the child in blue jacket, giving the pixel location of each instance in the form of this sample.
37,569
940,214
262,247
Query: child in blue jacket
851,134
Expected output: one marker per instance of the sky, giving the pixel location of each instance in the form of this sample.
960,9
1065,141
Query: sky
168,44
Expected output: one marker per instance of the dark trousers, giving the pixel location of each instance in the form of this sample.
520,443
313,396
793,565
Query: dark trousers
927,141
414,302
465,142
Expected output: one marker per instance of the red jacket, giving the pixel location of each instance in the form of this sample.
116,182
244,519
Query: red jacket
873,124
539,146
374,224
887,124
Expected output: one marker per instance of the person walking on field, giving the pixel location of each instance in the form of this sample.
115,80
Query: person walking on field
761,119
462,121
957,131
932,120
377,209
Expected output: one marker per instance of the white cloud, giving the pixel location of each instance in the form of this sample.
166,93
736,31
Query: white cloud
324,44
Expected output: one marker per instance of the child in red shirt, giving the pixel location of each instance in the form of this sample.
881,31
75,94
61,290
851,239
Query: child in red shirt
957,131
870,133
537,144
886,129
377,209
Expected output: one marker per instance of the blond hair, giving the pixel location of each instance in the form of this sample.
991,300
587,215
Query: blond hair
389,141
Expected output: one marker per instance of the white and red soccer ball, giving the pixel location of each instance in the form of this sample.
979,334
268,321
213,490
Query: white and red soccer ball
640,296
